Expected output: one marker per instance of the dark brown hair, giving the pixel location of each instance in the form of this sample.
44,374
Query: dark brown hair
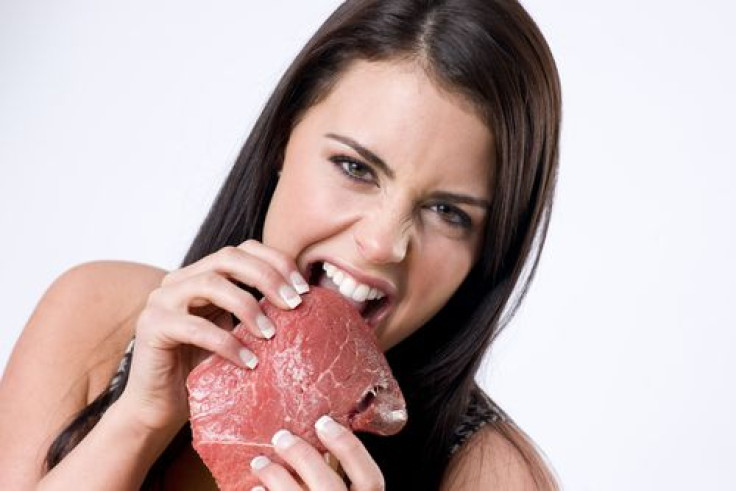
492,54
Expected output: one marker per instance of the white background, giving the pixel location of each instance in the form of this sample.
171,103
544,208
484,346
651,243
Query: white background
119,121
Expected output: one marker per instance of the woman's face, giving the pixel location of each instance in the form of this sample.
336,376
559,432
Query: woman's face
386,179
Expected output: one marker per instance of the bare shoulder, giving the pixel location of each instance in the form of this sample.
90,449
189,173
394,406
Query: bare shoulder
498,456
66,352
84,316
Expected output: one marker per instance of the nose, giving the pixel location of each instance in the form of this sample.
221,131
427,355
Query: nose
382,238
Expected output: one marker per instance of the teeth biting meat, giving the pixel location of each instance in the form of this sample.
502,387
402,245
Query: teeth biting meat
324,359
324,275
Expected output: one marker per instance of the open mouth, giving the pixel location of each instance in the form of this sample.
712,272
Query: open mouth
373,304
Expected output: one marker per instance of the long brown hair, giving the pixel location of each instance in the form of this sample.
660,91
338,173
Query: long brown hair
491,53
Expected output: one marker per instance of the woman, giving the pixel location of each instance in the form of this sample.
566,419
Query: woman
412,145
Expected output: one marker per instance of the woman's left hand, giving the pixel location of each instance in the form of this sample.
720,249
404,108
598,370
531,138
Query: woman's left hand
311,468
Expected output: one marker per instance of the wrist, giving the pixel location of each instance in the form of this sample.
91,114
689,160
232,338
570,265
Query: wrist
127,421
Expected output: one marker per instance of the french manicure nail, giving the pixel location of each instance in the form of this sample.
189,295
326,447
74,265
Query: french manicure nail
291,298
283,439
259,462
328,427
300,284
249,359
265,326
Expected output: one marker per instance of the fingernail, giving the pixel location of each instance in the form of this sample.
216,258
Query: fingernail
258,488
300,284
265,326
328,427
283,439
249,359
290,296
259,462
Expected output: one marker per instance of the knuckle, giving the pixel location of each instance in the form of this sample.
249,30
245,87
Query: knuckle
169,278
193,331
153,323
247,302
229,253
266,276
243,302
279,259
207,335
285,263
248,306
249,243
210,281
154,298
273,277
197,331
220,340
195,334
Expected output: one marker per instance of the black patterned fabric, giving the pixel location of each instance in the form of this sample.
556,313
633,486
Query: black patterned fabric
480,412
123,366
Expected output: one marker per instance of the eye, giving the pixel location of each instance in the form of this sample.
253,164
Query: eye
452,215
354,169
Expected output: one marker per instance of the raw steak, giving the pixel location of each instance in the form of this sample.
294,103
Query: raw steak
324,359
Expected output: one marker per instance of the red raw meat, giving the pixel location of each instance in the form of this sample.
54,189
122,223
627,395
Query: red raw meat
324,359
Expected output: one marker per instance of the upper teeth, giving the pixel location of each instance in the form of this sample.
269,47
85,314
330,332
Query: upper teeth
349,287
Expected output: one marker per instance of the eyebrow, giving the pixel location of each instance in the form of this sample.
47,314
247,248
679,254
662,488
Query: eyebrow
379,162
462,199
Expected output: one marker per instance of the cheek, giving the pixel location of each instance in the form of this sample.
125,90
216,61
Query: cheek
302,208
437,278
283,214
433,281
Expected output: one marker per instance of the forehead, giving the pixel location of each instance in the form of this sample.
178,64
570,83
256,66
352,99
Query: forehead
398,112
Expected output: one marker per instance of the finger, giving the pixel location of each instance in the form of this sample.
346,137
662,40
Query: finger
354,458
164,329
245,268
273,475
306,461
210,287
283,263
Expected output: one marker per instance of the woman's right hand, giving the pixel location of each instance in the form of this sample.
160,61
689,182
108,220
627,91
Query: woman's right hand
189,315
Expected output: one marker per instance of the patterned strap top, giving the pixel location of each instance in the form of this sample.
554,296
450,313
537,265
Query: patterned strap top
481,411
122,366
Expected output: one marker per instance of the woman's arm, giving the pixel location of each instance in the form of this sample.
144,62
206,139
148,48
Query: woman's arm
115,455
66,354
